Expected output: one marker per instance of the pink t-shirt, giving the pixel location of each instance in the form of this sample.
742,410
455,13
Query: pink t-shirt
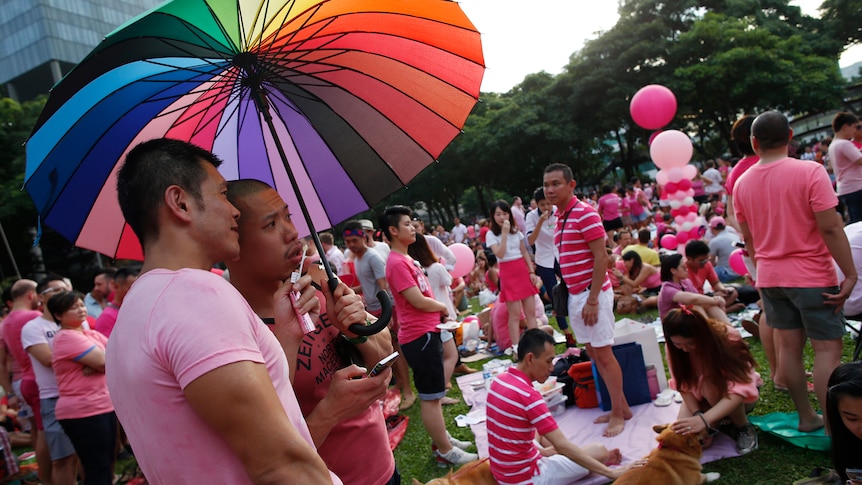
634,204
778,201
106,321
848,174
740,168
516,411
699,274
81,395
583,226
402,272
12,326
352,441
173,327
669,289
609,206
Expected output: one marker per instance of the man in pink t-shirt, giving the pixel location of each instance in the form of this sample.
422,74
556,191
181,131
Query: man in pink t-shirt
580,240
846,160
418,335
120,286
791,243
199,383
516,412
341,408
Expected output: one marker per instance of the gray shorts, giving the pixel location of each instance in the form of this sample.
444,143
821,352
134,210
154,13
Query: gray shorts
59,445
803,308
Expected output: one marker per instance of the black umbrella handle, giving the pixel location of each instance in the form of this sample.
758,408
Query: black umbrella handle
381,323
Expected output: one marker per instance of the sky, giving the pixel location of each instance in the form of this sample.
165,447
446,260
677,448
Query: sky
520,38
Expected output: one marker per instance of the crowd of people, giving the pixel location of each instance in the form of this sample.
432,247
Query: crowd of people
239,383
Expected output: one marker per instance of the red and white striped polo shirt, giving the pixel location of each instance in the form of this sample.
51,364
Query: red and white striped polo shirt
515,412
576,260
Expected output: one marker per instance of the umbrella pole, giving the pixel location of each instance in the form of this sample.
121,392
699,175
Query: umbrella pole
332,281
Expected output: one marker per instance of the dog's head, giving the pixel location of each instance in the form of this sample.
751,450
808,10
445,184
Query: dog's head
688,444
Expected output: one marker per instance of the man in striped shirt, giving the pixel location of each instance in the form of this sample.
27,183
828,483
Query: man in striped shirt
516,412
580,240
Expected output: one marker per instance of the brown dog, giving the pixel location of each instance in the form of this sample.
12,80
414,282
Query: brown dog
476,472
676,461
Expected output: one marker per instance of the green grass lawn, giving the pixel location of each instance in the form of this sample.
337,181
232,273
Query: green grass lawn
774,462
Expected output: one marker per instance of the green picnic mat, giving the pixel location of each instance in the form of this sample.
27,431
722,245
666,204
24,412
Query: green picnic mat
783,425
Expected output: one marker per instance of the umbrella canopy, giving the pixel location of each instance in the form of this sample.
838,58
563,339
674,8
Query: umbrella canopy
362,94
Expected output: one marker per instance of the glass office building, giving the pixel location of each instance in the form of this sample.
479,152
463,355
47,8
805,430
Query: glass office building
44,39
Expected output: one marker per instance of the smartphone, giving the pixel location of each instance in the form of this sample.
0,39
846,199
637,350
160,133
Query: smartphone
739,244
385,363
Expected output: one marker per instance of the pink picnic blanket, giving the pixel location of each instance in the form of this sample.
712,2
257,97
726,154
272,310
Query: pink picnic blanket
635,442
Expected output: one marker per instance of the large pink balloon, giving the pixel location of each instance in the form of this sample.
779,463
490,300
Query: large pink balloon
736,262
668,241
653,106
464,259
671,149
689,171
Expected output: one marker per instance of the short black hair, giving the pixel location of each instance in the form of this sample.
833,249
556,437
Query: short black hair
561,167
695,248
669,262
842,119
149,169
539,194
108,271
644,236
533,342
61,302
771,129
43,283
391,217
125,273
740,134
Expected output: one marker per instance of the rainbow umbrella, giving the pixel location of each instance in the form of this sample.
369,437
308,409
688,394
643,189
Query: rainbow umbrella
334,103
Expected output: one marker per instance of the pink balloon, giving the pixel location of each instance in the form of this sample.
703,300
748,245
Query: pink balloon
695,233
682,237
669,241
652,137
670,187
684,210
464,259
689,171
674,175
689,193
685,183
679,195
653,106
671,149
661,177
736,262
691,216
679,219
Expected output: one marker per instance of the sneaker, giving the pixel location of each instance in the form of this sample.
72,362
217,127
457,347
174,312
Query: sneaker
746,439
458,443
751,327
455,456
570,340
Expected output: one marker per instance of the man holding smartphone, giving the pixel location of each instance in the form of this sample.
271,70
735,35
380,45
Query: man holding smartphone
340,404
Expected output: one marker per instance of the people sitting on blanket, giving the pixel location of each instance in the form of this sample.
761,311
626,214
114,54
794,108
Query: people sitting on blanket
844,415
676,290
700,270
711,366
517,414
647,254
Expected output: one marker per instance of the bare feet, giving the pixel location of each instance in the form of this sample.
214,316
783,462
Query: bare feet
615,423
810,425
614,457
407,402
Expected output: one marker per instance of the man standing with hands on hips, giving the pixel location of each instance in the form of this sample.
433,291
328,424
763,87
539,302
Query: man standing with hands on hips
580,238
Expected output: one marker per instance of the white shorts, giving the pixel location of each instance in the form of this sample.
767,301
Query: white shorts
446,336
558,470
602,333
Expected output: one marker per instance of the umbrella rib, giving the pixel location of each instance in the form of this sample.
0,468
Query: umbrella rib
295,32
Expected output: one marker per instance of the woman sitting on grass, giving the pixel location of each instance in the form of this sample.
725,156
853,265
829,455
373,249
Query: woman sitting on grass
644,279
844,416
677,290
713,369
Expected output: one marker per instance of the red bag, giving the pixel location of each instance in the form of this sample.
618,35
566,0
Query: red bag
584,386
391,401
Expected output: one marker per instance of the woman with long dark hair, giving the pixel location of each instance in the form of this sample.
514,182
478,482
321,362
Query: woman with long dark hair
644,279
713,369
844,416
516,268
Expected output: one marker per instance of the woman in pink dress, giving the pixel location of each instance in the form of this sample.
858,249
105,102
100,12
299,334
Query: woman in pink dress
609,209
713,369
84,408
